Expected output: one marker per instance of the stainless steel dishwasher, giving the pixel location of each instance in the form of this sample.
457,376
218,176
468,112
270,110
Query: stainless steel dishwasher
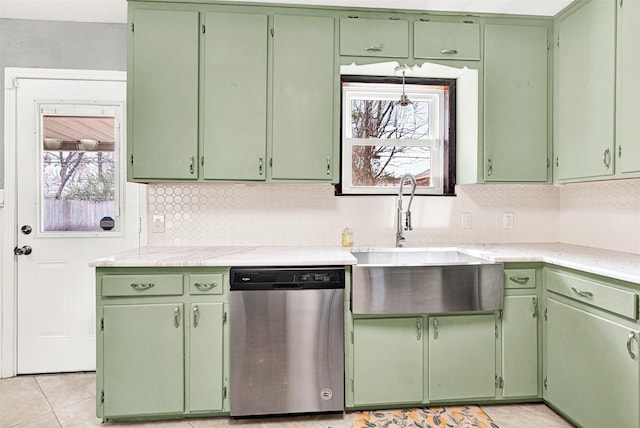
287,340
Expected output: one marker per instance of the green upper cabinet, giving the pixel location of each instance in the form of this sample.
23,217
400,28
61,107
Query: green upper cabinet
446,40
462,357
516,103
234,87
628,90
304,99
388,361
374,37
586,89
163,95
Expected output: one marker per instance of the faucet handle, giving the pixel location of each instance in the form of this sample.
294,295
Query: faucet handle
407,221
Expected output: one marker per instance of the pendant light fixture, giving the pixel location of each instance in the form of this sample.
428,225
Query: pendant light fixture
404,99
404,115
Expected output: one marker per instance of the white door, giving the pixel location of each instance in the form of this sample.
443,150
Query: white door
73,205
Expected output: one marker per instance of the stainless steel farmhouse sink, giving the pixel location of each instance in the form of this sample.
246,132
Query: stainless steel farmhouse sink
425,281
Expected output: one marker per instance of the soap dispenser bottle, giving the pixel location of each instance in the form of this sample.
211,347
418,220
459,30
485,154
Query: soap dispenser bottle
347,237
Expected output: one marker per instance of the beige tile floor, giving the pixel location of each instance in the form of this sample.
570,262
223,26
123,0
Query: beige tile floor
68,400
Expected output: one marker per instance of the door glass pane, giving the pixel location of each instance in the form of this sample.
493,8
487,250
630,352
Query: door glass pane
79,182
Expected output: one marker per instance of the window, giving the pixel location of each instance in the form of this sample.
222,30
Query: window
382,139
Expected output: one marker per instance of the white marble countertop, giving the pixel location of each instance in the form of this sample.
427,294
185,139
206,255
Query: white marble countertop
613,264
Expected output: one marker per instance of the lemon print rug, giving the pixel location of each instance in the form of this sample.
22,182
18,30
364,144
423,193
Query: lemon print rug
425,417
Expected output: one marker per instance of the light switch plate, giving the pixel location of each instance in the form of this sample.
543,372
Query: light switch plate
466,221
157,225
507,221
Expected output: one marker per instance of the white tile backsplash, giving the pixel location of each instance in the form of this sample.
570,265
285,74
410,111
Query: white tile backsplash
602,214
310,214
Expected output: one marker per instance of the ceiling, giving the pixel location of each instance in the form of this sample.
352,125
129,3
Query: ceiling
115,11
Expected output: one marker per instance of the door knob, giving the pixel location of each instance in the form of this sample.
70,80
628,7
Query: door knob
24,251
26,229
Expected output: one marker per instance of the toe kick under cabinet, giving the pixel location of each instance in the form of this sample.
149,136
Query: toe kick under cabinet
162,336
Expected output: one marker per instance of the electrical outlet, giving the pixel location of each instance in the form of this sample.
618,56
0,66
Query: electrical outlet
507,221
466,221
157,225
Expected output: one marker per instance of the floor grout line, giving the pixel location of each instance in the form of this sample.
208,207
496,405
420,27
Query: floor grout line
48,402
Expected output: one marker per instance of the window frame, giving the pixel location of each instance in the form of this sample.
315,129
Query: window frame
444,144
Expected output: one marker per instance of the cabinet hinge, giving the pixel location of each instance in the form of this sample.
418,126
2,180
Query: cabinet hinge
500,314
270,162
101,324
102,397
621,2
548,45
224,392
545,314
131,160
548,163
496,326
558,41
272,32
499,382
557,161
544,383
620,152
224,318
202,160
352,385
133,27
352,337
204,29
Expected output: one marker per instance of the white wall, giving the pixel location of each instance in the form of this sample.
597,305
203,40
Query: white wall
310,214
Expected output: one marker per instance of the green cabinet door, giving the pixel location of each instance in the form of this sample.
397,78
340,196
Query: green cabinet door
628,87
520,346
304,103
374,37
388,361
515,103
163,95
234,111
143,360
586,89
462,357
206,357
446,40
592,371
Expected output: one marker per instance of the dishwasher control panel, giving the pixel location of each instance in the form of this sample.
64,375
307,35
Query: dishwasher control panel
264,278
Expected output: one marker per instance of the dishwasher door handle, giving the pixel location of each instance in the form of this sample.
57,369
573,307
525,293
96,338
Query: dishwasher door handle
287,286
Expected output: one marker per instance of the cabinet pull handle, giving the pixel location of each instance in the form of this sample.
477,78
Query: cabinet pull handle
490,167
632,335
374,48
260,164
419,329
449,51
435,328
142,285
328,165
192,166
519,279
588,294
534,302
196,316
176,316
203,286
606,158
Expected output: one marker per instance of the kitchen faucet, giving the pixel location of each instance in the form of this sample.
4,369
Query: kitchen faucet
400,240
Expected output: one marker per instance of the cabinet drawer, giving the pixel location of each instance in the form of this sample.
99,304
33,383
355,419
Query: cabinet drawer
446,40
519,278
612,299
374,37
205,284
142,285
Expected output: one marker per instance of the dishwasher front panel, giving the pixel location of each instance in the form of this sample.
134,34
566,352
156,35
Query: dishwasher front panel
287,351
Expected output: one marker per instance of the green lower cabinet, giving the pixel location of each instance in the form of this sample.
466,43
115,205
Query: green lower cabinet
388,361
592,370
143,360
206,357
520,346
462,357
